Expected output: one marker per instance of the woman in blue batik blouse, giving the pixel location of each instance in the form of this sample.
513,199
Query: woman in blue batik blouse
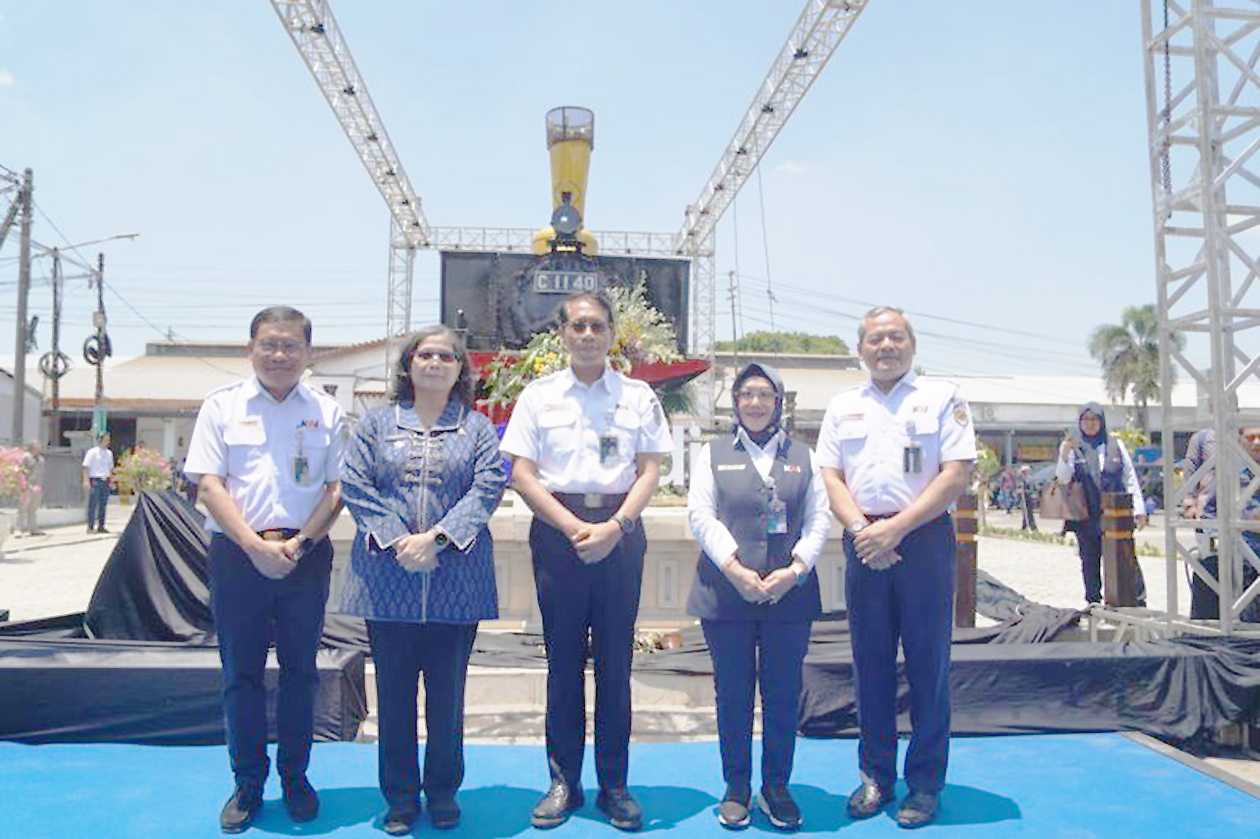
422,477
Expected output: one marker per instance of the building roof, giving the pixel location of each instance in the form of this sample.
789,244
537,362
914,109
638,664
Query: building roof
30,391
153,382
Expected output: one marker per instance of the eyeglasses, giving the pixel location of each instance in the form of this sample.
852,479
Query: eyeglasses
595,327
436,355
756,395
280,347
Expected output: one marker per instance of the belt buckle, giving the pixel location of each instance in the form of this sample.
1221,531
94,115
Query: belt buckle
592,500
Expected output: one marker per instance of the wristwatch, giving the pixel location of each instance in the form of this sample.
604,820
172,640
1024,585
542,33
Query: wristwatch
858,528
441,540
304,542
626,524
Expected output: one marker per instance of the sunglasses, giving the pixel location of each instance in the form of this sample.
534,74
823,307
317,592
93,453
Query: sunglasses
436,355
595,327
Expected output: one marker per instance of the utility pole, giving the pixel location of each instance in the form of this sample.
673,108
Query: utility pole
734,291
24,290
52,362
102,348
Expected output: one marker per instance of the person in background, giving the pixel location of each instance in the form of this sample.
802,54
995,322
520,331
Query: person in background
1100,463
422,478
33,495
1024,498
758,508
98,465
266,453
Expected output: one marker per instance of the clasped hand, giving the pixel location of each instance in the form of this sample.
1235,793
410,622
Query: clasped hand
757,589
876,545
417,552
274,560
594,542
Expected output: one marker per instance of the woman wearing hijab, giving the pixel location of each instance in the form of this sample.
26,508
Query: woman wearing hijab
758,508
1099,462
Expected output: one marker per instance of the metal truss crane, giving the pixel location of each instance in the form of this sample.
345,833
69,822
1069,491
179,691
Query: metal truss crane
318,38
819,29
1204,133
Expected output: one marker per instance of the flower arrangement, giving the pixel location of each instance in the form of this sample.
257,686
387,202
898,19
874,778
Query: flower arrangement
142,469
13,471
644,336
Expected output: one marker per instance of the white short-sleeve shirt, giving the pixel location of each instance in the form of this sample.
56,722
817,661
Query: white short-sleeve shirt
865,434
563,426
99,462
275,457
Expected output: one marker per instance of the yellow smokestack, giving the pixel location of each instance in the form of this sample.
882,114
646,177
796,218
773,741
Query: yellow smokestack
570,139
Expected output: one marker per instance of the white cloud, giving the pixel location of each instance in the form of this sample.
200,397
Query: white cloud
7,79
791,168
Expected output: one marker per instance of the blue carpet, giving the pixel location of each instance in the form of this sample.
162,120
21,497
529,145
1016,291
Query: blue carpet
1042,786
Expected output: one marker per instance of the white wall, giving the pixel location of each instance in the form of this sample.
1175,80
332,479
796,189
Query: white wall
32,422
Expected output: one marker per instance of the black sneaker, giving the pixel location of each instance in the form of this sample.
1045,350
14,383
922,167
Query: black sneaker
622,810
300,798
917,810
443,811
867,800
241,807
777,804
555,807
101,530
400,818
733,811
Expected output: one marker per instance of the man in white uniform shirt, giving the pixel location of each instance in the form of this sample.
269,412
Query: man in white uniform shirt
587,444
895,453
98,465
266,454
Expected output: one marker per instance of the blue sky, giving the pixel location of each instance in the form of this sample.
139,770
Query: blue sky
982,161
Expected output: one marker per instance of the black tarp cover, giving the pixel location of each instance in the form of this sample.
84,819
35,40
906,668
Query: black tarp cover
140,666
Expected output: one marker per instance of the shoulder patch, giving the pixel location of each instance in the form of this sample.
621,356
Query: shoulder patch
961,411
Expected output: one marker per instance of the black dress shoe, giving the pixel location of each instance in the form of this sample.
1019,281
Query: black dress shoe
622,810
443,811
300,798
733,811
241,807
867,800
400,818
780,809
554,808
918,809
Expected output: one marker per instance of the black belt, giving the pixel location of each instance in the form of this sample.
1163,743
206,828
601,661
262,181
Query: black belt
590,500
879,516
278,534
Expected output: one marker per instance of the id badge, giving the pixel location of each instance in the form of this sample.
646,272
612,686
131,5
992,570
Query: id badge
912,459
301,468
608,449
776,519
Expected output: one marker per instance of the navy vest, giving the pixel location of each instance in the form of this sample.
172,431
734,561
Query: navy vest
743,506
1110,477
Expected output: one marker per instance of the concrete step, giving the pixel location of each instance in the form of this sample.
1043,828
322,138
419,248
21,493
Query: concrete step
508,704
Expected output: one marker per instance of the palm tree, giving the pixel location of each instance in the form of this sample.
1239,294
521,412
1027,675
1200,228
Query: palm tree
1129,355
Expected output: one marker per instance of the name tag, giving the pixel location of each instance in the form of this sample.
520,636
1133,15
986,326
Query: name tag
731,467
245,432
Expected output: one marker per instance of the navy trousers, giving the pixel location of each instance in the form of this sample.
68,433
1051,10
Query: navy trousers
401,651
911,602
587,608
1089,548
745,654
98,497
250,612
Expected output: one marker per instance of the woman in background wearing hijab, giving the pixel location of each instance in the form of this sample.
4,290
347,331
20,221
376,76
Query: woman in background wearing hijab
758,508
1100,463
